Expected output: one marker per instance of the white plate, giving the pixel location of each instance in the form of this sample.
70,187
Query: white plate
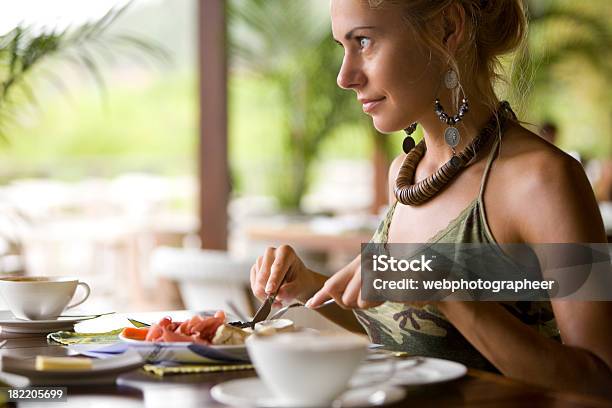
251,392
11,324
103,371
415,371
185,352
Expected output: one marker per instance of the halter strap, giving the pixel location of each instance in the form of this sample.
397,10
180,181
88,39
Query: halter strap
506,115
492,156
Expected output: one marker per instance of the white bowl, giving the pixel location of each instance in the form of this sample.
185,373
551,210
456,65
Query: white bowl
306,369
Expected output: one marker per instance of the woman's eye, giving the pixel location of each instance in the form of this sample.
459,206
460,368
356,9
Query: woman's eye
364,42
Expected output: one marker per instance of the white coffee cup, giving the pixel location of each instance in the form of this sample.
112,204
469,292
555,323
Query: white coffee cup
39,297
304,368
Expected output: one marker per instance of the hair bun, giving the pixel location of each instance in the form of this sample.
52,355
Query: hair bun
501,26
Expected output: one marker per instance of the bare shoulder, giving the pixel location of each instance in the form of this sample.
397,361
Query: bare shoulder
542,187
536,166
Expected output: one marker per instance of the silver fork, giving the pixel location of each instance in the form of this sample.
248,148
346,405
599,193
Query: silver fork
284,309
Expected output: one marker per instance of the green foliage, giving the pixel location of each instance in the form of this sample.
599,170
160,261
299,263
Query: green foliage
290,44
275,113
562,72
24,49
557,33
150,126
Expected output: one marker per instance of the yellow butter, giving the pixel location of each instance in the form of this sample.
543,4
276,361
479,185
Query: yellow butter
46,363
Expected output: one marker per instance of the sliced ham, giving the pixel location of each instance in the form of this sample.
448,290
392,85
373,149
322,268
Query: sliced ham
154,333
198,329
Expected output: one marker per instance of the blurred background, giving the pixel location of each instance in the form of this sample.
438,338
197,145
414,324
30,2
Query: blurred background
154,148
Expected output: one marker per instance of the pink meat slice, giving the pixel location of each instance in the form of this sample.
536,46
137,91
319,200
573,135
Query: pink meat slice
170,336
154,333
193,322
202,326
198,329
184,327
209,331
164,322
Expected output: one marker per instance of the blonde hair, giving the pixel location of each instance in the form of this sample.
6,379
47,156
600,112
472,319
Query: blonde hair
493,28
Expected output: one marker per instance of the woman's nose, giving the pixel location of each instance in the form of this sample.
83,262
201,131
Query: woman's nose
350,76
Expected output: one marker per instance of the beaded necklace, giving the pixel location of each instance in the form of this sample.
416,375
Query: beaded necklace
415,194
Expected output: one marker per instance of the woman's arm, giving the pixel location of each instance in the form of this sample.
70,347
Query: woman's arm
560,208
342,317
520,352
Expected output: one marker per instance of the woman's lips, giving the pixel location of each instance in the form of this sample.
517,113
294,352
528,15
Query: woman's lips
370,104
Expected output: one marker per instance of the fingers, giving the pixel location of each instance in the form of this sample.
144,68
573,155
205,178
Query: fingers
271,269
263,271
283,259
253,278
317,299
354,299
283,265
287,292
345,288
256,287
332,288
352,293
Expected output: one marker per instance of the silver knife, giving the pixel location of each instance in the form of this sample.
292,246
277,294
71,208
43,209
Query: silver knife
266,307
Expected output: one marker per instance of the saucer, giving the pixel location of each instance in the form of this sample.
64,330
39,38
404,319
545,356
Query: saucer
104,371
11,324
412,371
251,392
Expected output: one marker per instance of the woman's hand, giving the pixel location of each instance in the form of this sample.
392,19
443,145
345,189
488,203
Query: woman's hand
270,269
344,287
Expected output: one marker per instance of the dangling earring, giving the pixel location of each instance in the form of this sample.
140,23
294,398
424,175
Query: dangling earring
408,143
452,137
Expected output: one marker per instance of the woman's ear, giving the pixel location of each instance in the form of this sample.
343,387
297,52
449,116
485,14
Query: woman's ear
454,27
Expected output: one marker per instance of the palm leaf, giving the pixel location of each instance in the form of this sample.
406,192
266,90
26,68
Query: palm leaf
24,48
290,43
558,32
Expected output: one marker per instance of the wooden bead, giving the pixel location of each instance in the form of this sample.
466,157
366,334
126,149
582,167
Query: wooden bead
408,144
409,193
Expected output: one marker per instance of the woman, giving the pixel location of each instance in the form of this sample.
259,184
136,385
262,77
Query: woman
481,179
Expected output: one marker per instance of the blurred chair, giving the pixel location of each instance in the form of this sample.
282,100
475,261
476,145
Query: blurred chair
207,279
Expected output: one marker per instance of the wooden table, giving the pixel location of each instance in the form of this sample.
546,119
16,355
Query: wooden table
477,389
303,236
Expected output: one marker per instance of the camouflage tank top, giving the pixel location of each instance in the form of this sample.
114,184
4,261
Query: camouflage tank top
424,330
